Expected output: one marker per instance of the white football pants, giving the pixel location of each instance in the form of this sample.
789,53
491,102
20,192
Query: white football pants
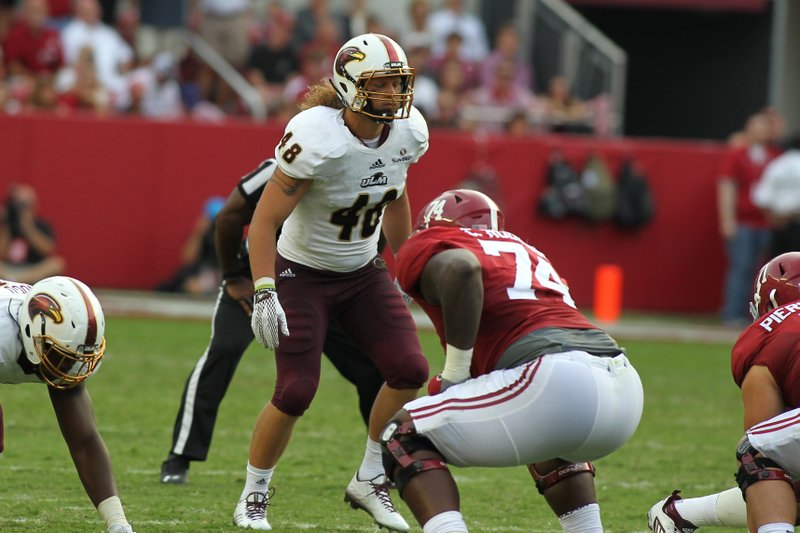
571,405
779,439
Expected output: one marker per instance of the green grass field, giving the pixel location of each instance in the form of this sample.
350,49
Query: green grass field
686,438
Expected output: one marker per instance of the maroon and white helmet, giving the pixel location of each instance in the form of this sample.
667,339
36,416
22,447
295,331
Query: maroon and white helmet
461,207
62,328
367,57
777,284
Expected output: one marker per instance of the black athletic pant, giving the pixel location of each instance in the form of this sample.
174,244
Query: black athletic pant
209,380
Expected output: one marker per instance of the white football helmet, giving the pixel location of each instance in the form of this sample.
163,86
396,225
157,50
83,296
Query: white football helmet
62,328
366,57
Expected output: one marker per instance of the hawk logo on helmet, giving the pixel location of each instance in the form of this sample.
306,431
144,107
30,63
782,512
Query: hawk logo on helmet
44,304
346,55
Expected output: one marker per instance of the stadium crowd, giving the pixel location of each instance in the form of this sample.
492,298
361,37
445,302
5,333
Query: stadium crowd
131,57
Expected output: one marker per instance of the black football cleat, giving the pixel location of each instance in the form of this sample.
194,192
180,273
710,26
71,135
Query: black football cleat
175,470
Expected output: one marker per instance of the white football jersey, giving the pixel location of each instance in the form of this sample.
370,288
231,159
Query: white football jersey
11,296
337,223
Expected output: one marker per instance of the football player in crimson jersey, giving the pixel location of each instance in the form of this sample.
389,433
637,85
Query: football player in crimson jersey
52,333
340,180
527,379
765,362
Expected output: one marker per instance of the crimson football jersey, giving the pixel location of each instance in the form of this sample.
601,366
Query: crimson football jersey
772,341
522,291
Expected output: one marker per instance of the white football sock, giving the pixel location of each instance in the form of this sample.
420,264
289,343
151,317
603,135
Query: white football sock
447,522
584,519
372,465
726,508
257,480
776,528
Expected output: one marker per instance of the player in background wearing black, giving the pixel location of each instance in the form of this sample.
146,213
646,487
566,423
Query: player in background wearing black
231,334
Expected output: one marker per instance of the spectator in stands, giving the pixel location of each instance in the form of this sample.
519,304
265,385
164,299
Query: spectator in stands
307,22
562,111
375,25
155,91
112,56
777,126
27,242
198,108
225,25
356,19
59,12
778,194
199,272
452,95
453,19
775,138
426,91
33,50
161,28
79,88
44,95
517,125
418,33
33,56
277,13
452,52
743,226
6,16
127,22
494,104
326,40
272,63
506,47
314,68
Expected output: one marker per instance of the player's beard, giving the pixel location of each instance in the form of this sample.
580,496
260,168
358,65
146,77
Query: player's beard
382,116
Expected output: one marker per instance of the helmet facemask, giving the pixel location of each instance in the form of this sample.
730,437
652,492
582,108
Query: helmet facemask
374,103
62,367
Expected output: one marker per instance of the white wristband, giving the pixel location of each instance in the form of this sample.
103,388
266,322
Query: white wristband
264,282
456,364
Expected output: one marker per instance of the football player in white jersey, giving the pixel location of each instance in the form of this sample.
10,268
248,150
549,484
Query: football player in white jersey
340,181
52,333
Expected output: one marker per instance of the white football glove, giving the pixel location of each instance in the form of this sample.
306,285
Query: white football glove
268,318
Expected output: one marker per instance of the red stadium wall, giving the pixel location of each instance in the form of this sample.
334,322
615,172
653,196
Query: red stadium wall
123,194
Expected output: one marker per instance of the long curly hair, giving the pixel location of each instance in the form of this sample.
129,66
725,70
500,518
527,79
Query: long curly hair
321,93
